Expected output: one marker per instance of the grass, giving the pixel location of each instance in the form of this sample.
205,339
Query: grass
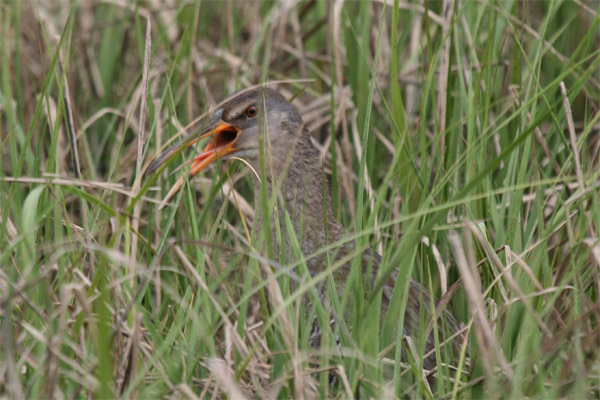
462,142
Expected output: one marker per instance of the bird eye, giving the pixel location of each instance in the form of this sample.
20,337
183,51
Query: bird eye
251,111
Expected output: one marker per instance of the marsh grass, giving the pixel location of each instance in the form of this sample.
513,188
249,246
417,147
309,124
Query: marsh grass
462,143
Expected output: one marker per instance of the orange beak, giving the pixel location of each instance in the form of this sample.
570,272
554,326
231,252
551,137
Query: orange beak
223,138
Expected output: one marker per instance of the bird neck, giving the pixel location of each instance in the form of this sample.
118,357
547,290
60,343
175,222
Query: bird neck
302,195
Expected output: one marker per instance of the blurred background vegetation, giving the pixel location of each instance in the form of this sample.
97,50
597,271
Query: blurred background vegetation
461,139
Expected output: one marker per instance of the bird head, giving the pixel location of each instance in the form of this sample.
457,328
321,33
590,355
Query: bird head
236,129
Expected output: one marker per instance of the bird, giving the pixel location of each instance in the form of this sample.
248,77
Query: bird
261,114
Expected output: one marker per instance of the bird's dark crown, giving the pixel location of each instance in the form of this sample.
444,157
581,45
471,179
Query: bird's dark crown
236,106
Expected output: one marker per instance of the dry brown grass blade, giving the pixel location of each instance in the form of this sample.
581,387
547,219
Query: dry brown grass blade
137,209
342,374
411,88
156,239
444,69
489,348
11,229
9,373
443,271
338,56
225,379
133,355
70,122
187,391
64,181
594,244
572,136
98,115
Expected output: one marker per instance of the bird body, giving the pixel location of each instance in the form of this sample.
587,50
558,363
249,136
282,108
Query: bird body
263,117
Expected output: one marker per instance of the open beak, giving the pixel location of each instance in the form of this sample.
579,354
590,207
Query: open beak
223,138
